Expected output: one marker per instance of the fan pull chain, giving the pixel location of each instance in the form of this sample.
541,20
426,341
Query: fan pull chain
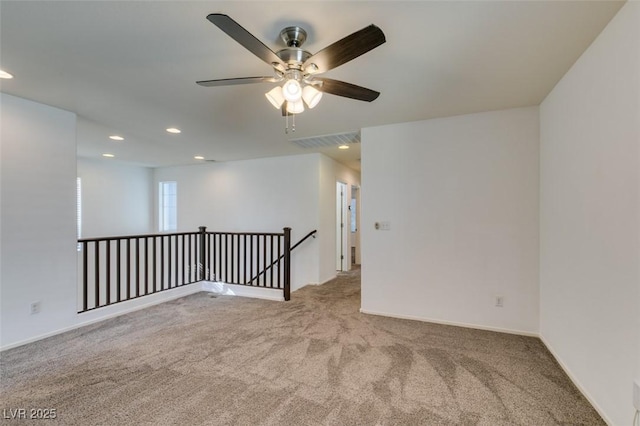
286,121
293,123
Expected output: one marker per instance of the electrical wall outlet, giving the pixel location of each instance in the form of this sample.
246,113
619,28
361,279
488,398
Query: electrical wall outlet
636,394
499,301
34,308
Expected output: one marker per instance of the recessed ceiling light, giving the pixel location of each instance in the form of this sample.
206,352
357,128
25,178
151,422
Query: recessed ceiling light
108,155
116,138
173,130
199,157
343,147
4,74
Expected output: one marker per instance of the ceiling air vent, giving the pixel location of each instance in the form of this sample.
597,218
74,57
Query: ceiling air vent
328,140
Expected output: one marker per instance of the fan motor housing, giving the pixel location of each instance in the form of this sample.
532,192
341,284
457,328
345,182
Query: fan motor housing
294,57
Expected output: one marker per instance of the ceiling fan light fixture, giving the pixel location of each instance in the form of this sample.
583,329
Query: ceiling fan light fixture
295,107
292,91
311,96
311,68
296,68
276,97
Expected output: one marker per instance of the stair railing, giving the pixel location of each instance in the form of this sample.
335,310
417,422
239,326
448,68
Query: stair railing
117,269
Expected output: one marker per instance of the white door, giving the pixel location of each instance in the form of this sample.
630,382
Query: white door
354,223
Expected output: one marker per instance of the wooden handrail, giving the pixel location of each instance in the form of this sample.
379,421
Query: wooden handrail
133,237
312,233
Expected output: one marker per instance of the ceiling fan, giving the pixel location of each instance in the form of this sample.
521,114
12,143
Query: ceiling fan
298,68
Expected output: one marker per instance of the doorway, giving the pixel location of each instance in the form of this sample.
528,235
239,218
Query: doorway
341,227
354,222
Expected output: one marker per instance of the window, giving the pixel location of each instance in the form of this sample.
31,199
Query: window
168,202
79,210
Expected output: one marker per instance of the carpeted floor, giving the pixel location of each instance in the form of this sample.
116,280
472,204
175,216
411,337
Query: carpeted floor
312,361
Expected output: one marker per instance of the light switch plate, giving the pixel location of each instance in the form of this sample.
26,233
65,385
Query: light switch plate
384,225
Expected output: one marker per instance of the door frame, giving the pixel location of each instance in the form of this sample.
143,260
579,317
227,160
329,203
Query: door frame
342,230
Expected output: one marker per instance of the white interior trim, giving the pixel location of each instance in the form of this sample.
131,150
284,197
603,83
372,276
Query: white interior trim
564,367
220,288
333,277
454,323
115,310
576,382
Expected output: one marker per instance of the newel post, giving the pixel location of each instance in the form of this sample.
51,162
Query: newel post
203,253
287,264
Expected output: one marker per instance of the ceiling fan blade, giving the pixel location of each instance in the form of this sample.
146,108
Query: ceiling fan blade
347,90
245,38
236,81
345,50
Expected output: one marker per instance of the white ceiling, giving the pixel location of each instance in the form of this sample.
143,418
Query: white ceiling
129,68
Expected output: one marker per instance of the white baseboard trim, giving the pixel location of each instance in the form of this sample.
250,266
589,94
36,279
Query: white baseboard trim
322,283
327,280
454,323
108,312
576,382
564,367
331,278
243,291
112,311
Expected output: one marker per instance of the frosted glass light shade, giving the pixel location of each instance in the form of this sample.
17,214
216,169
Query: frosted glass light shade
295,107
275,97
292,91
311,96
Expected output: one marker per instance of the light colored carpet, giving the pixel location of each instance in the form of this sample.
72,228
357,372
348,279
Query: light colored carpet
312,361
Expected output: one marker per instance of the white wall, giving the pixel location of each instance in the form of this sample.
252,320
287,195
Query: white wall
262,195
590,218
330,173
38,257
37,218
461,196
117,199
